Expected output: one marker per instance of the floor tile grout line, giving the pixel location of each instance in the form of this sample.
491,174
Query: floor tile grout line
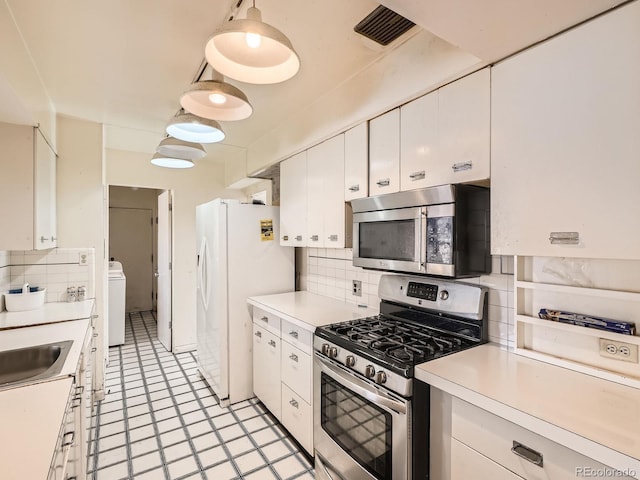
96,447
125,421
175,403
151,412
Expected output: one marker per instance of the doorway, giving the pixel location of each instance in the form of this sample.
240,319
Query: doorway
140,239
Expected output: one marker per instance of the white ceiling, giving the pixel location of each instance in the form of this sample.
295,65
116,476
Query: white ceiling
125,63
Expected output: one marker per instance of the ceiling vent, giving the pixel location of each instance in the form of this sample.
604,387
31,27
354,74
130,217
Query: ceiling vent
383,25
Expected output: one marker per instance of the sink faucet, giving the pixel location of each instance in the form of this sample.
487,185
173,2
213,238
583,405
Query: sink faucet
25,288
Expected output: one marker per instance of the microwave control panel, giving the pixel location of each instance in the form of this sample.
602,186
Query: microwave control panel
424,291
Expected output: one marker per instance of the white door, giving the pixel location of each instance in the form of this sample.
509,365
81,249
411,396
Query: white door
164,269
384,153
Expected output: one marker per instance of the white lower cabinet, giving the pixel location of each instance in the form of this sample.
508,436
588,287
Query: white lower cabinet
283,373
489,443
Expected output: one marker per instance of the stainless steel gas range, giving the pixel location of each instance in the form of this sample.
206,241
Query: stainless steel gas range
371,419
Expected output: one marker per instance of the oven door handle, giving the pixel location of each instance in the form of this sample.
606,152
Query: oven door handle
354,383
320,463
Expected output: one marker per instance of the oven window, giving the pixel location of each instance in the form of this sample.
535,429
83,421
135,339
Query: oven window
388,240
361,428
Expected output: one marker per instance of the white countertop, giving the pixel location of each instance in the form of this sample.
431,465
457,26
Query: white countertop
31,421
48,313
595,417
306,309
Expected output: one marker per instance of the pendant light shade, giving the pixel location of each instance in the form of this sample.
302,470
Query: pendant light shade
191,128
168,162
173,147
216,100
252,51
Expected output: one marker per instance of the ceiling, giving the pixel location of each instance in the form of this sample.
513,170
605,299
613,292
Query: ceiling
124,63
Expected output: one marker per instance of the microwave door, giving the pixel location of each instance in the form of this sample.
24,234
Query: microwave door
390,239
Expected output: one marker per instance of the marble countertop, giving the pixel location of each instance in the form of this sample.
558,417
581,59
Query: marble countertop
48,313
596,417
309,310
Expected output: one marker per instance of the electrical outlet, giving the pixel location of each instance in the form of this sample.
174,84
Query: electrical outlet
626,352
83,258
356,288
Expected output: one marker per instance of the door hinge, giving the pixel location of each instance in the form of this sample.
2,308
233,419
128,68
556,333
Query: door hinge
156,220
170,266
171,207
170,324
152,258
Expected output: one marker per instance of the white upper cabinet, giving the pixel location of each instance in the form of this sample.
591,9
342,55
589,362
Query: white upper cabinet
384,153
565,143
356,162
326,227
464,123
419,142
293,201
27,189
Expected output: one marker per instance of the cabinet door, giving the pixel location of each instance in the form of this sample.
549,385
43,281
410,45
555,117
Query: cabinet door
464,122
335,230
317,201
293,201
419,142
297,371
266,369
384,153
356,162
466,463
297,417
565,142
45,194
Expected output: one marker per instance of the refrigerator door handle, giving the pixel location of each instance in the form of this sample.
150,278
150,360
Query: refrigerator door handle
203,273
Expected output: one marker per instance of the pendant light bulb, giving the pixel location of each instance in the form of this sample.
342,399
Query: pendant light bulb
217,99
253,40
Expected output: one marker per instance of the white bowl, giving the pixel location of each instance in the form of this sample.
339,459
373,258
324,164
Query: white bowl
20,302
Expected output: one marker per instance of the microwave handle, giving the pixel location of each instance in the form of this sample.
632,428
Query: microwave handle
423,239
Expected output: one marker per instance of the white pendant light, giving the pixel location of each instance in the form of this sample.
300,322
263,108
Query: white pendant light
252,51
173,147
216,100
168,162
191,128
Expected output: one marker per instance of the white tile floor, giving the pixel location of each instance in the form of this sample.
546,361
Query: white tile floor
159,421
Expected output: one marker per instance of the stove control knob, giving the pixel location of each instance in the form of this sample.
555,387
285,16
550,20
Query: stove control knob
350,361
444,295
333,352
325,349
369,371
381,377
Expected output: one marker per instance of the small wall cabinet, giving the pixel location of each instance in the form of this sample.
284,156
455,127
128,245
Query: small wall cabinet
565,121
384,153
293,201
356,162
27,189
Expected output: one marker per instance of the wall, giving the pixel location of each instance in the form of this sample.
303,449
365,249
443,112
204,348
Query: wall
190,187
330,272
421,64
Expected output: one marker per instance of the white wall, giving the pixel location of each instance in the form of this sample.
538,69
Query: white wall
190,187
421,64
80,206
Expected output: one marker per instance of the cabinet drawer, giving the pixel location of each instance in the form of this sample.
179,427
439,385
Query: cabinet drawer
297,336
466,463
297,370
266,320
297,418
494,437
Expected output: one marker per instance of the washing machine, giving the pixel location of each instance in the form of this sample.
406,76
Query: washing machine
117,294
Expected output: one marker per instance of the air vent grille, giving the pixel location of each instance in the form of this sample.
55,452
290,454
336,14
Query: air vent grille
383,25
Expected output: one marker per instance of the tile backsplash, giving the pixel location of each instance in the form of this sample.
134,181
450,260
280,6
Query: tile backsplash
330,272
55,269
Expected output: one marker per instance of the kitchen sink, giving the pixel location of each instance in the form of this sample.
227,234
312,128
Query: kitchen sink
29,364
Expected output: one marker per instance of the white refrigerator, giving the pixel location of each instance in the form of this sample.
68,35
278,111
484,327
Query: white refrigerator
239,256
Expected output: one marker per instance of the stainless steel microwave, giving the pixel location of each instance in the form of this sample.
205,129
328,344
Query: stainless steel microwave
442,231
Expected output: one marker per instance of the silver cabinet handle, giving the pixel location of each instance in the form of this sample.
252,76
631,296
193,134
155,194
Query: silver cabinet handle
299,238
294,357
264,318
354,188
332,238
258,334
385,182
564,238
527,453
462,166
417,176
314,238
293,333
285,238
44,239
272,343
293,403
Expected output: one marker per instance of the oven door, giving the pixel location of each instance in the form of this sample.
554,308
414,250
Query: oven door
391,239
360,431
